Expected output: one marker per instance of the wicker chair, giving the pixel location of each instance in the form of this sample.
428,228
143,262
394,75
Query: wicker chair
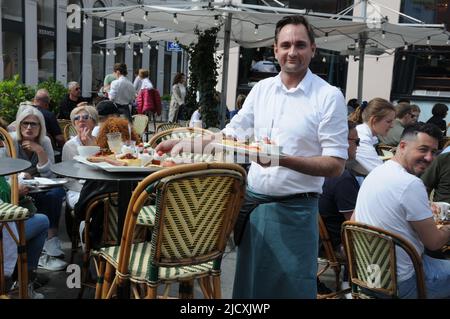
13,213
69,131
372,260
330,259
178,133
166,126
196,208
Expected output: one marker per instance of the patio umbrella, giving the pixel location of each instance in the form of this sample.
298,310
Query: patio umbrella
249,26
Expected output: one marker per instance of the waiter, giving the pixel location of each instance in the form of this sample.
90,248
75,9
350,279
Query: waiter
122,90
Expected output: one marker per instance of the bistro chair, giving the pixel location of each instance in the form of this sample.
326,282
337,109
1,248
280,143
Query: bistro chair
11,212
330,259
178,133
69,131
166,126
196,206
62,123
372,261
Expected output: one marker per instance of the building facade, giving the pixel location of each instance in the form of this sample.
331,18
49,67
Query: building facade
42,39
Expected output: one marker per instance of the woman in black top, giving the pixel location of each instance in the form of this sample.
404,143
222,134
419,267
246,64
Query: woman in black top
439,112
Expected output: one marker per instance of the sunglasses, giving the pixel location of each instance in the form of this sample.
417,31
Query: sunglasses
77,89
356,140
29,124
79,117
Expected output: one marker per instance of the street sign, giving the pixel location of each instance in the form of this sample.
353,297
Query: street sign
173,46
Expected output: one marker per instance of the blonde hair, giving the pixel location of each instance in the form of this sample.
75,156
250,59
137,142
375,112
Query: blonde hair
92,111
377,108
143,73
28,111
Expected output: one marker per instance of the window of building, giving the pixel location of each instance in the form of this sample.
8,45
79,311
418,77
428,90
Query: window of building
423,67
46,58
98,59
12,54
154,63
46,13
167,71
12,10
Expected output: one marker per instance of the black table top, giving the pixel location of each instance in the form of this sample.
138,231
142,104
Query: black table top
75,169
10,166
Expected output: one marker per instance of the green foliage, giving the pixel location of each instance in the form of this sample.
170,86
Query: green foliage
165,97
203,77
12,93
57,92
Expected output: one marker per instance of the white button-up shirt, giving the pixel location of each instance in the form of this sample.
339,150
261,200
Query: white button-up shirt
366,154
309,120
122,91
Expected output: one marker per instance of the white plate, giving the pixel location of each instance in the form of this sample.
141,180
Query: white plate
42,182
243,151
111,168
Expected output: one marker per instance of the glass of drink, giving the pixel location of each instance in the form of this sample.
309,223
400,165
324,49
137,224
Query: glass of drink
114,142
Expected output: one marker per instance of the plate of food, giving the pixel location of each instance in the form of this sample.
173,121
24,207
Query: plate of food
120,163
251,149
43,182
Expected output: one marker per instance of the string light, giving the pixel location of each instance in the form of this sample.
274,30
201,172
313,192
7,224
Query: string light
149,46
256,29
157,46
122,17
326,36
100,23
378,59
428,40
448,40
129,45
324,60
134,53
101,52
120,34
406,46
175,20
145,17
346,59
85,18
107,52
404,58
383,34
140,35
429,57
216,20
240,56
114,52
141,50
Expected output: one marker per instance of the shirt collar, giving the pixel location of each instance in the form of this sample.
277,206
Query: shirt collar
304,84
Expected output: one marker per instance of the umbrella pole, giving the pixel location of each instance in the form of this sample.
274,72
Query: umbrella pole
226,55
362,49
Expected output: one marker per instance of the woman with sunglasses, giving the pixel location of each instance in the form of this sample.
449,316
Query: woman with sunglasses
84,118
33,145
378,118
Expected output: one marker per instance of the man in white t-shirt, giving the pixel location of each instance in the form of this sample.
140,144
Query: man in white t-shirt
393,197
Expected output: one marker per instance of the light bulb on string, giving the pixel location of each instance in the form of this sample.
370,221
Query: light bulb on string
85,18
134,53
157,46
428,40
240,56
383,34
216,20
404,58
377,59
429,57
129,45
406,46
107,52
326,37
141,50
120,34
122,17
140,35
448,41
114,52
100,23
145,17
101,52
256,29
346,59
175,20
324,59
149,46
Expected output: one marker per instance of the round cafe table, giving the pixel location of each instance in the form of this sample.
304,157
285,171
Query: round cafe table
10,165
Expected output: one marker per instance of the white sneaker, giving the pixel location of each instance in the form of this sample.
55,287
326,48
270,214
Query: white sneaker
346,285
32,294
51,263
52,247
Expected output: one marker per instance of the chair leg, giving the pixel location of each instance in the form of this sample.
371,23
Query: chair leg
186,289
23,263
151,293
217,292
100,279
205,285
107,280
2,269
84,272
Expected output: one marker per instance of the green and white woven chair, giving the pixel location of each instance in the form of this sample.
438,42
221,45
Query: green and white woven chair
196,208
10,212
166,126
178,134
371,255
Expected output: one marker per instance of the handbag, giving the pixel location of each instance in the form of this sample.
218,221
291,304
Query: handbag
28,203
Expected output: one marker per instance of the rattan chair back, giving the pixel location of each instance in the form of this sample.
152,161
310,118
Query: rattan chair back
371,255
69,131
166,126
178,134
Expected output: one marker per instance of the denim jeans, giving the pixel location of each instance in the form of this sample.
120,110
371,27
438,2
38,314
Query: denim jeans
437,280
50,204
36,229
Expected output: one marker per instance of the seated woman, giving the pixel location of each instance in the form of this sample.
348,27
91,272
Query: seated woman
33,145
84,118
378,117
